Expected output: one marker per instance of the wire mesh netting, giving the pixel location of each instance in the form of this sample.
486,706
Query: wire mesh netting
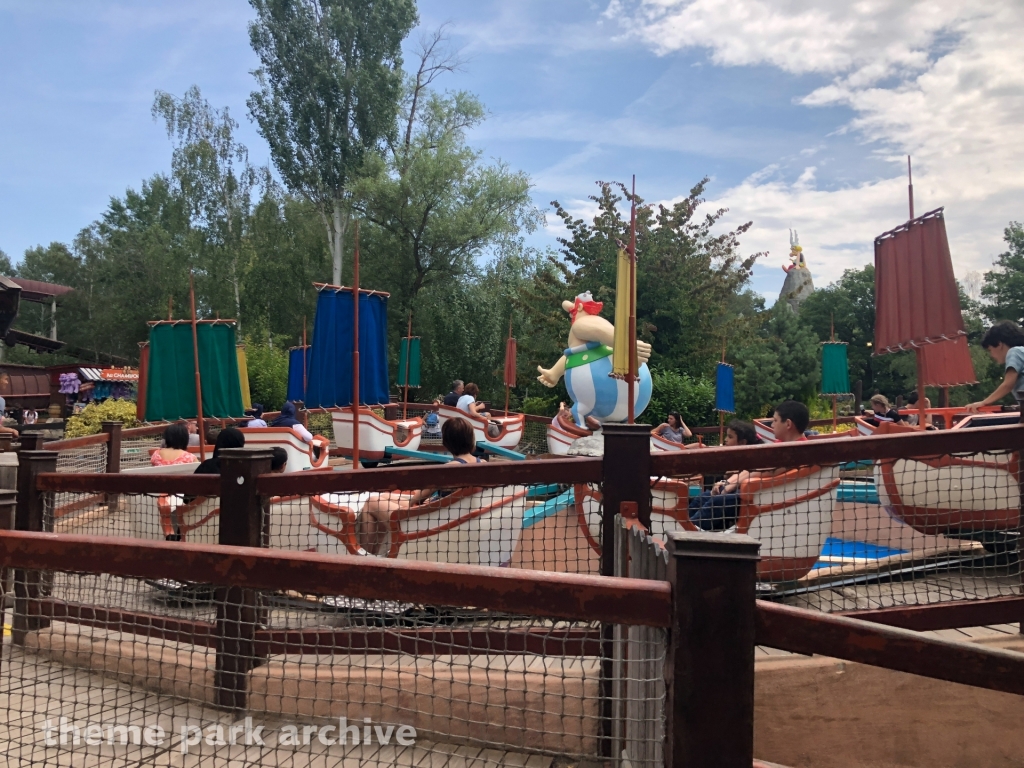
864,534
541,527
90,459
151,516
110,671
135,451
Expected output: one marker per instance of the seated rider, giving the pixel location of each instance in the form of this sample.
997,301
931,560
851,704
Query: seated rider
257,416
674,429
468,403
287,419
459,439
719,508
881,411
452,398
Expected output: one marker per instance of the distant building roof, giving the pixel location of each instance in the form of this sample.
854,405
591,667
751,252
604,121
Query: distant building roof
36,290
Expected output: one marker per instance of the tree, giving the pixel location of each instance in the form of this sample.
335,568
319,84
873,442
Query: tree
437,208
1004,287
329,89
213,174
757,377
7,269
687,278
796,348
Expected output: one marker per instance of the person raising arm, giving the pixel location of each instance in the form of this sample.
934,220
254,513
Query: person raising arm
1004,341
674,429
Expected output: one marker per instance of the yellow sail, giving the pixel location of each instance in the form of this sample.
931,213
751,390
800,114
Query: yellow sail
620,356
243,378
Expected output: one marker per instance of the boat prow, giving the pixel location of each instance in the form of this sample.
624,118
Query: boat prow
509,432
376,434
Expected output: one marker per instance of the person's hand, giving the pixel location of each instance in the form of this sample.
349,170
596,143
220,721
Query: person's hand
643,351
974,407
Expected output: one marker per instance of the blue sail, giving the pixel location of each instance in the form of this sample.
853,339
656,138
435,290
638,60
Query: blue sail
329,382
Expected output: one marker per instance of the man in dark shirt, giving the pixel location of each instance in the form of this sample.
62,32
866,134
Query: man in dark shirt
452,398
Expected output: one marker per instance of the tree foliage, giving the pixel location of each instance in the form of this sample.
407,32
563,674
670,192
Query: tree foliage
1004,286
329,85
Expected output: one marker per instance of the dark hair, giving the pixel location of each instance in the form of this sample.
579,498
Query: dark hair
678,418
791,410
911,398
458,437
229,437
279,459
1003,332
745,432
176,436
472,389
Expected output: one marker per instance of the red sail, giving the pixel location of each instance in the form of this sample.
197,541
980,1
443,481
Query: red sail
916,298
947,364
510,362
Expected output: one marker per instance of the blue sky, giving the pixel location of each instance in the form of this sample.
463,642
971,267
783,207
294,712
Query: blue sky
801,127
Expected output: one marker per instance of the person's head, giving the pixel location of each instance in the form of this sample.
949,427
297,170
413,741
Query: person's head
458,386
457,437
740,433
675,420
191,427
176,437
789,420
472,390
1000,338
256,411
279,461
288,410
879,404
229,437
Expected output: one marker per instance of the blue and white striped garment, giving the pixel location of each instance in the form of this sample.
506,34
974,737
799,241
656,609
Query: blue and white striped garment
595,393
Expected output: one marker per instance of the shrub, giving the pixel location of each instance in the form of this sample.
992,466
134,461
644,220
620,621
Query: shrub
268,374
90,420
674,391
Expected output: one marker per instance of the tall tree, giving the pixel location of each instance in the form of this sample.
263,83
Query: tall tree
212,172
329,90
437,208
1004,287
7,269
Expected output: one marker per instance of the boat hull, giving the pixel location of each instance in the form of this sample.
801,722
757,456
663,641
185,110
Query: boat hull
511,427
376,435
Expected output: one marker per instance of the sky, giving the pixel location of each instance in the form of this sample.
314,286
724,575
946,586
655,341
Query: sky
800,113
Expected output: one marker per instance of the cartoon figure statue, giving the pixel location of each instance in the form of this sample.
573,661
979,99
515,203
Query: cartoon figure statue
597,398
796,253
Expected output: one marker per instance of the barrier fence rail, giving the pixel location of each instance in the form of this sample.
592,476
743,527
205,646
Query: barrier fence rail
197,621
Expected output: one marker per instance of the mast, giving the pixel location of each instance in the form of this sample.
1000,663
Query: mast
631,377
195,361
835,398
305,373
721,414
919,352
506,362
408,362
355,352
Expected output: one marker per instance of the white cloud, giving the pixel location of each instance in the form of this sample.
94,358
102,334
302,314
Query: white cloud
935,80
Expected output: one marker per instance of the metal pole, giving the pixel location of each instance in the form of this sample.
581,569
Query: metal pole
506,348
910,187
355,352
305,373
195,360
408,362
633,370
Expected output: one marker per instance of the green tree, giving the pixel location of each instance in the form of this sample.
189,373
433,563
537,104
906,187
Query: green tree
330,83
796,348
1004,286
673,391
688,278
7,269
437,208
757,377
211,171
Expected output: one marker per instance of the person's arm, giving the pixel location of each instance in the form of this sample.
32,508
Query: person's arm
9,431
1000,392
301,431
686,429
659,429
476,407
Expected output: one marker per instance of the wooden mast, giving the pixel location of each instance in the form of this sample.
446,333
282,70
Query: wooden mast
921,420
835,397
506,361
355,352
408,363
195,362
632,375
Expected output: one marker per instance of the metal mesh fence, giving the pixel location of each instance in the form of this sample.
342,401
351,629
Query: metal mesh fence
135,451
111,671
865,534
150,516
543,527
91,459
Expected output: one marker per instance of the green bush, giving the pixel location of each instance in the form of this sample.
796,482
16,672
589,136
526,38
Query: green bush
268,374
674,391
541,406
90,420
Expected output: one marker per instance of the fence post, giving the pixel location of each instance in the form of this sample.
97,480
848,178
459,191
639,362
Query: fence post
5,442
113,430
242,524
8,508
626,476
709,669
29,516
31,441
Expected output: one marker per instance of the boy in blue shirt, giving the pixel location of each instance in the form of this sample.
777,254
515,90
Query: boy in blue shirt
1005,342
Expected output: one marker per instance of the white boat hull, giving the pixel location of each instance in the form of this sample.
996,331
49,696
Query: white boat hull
376,435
